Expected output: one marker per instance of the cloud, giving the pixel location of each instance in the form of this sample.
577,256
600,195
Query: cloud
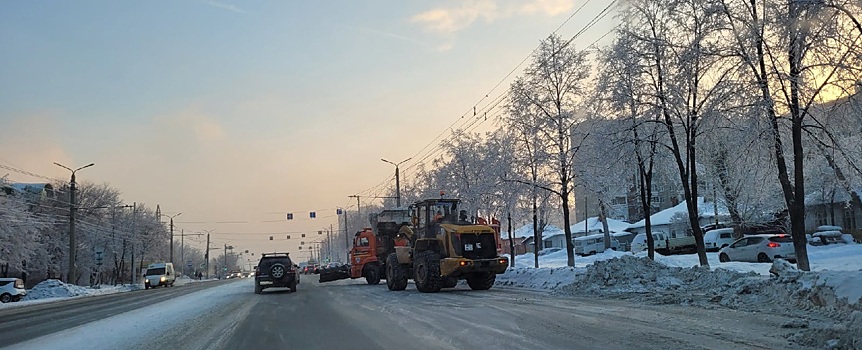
453,19
547,7
224,6
193,120
449,20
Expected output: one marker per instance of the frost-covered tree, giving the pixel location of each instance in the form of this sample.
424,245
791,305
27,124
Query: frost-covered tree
549,99
796,54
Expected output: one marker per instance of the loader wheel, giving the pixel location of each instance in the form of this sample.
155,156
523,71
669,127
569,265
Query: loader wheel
427,272
449,282
481,280
396,277
372,274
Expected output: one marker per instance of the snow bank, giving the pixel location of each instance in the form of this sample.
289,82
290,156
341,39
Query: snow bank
826,303
57,289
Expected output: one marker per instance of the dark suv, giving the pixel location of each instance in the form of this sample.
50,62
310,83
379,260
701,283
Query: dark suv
275,270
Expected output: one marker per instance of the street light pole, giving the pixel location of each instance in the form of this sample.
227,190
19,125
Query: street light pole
70,278
397,180
172,234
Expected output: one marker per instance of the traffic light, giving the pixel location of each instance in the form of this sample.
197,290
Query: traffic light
312,215
320,232
288,236
290,216
300,248
338,211
270,238
303,235
246,251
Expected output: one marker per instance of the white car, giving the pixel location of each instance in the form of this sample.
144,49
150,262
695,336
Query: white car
759,248
639,243
716,239
11,289
592,244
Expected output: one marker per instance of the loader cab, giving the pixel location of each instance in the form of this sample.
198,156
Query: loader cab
429,214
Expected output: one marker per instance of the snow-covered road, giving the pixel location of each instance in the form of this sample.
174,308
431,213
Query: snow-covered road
351,315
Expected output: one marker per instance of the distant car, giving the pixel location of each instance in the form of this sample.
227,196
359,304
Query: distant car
716,239
759,248
826,235
639,242
275,270
592,244
11,289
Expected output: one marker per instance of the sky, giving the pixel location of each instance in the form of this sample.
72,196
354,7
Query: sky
245,111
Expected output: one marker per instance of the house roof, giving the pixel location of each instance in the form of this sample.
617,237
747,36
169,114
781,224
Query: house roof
840,196
527,231
664,217
594,224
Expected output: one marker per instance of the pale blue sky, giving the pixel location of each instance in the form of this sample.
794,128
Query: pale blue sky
229,110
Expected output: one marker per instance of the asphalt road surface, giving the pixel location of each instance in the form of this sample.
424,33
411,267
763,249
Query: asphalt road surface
352,315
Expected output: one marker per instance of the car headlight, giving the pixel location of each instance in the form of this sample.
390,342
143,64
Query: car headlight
162,279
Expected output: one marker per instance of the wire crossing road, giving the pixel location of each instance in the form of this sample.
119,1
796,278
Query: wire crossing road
353,315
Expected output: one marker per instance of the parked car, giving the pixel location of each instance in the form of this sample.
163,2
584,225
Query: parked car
716,239
592,244
639,243
759,248
11,289
826,235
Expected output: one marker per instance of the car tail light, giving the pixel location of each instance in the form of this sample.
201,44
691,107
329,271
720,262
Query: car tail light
503,261
773,245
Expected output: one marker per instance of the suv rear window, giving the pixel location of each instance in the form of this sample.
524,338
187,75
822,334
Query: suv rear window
780,239
268,259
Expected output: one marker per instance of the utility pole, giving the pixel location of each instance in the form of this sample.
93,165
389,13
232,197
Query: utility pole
207,256
172,234
134,227
358,211
225,256
329,241
70,278
511,240
397,180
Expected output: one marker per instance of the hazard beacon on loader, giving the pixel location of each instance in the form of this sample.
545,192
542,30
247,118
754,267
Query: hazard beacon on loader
371,247
443,248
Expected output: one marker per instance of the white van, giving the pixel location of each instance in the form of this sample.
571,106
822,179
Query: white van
159,274
716,239
589,245
639,243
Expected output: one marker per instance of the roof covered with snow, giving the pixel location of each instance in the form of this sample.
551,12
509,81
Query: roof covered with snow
527,231
664,217
594,224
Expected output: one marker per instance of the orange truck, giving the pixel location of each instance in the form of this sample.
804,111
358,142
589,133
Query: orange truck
371,247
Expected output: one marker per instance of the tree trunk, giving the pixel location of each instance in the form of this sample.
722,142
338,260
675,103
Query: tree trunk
570,247
603,216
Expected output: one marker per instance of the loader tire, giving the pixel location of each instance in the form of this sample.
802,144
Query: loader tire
481,280
426,272
396,277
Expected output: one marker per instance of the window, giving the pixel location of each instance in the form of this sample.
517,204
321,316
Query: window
363,241
549,244
821,218
724,235
849,219
740,243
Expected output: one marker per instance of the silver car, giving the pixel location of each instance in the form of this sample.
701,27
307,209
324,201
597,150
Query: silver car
759,248
11,289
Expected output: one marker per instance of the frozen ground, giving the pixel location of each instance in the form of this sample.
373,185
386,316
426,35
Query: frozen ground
825,301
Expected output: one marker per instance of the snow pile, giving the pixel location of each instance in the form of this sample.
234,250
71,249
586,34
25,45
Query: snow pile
54,289
826,304
541,279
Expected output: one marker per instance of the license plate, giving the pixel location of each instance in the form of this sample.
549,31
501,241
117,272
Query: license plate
265,282
468,247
